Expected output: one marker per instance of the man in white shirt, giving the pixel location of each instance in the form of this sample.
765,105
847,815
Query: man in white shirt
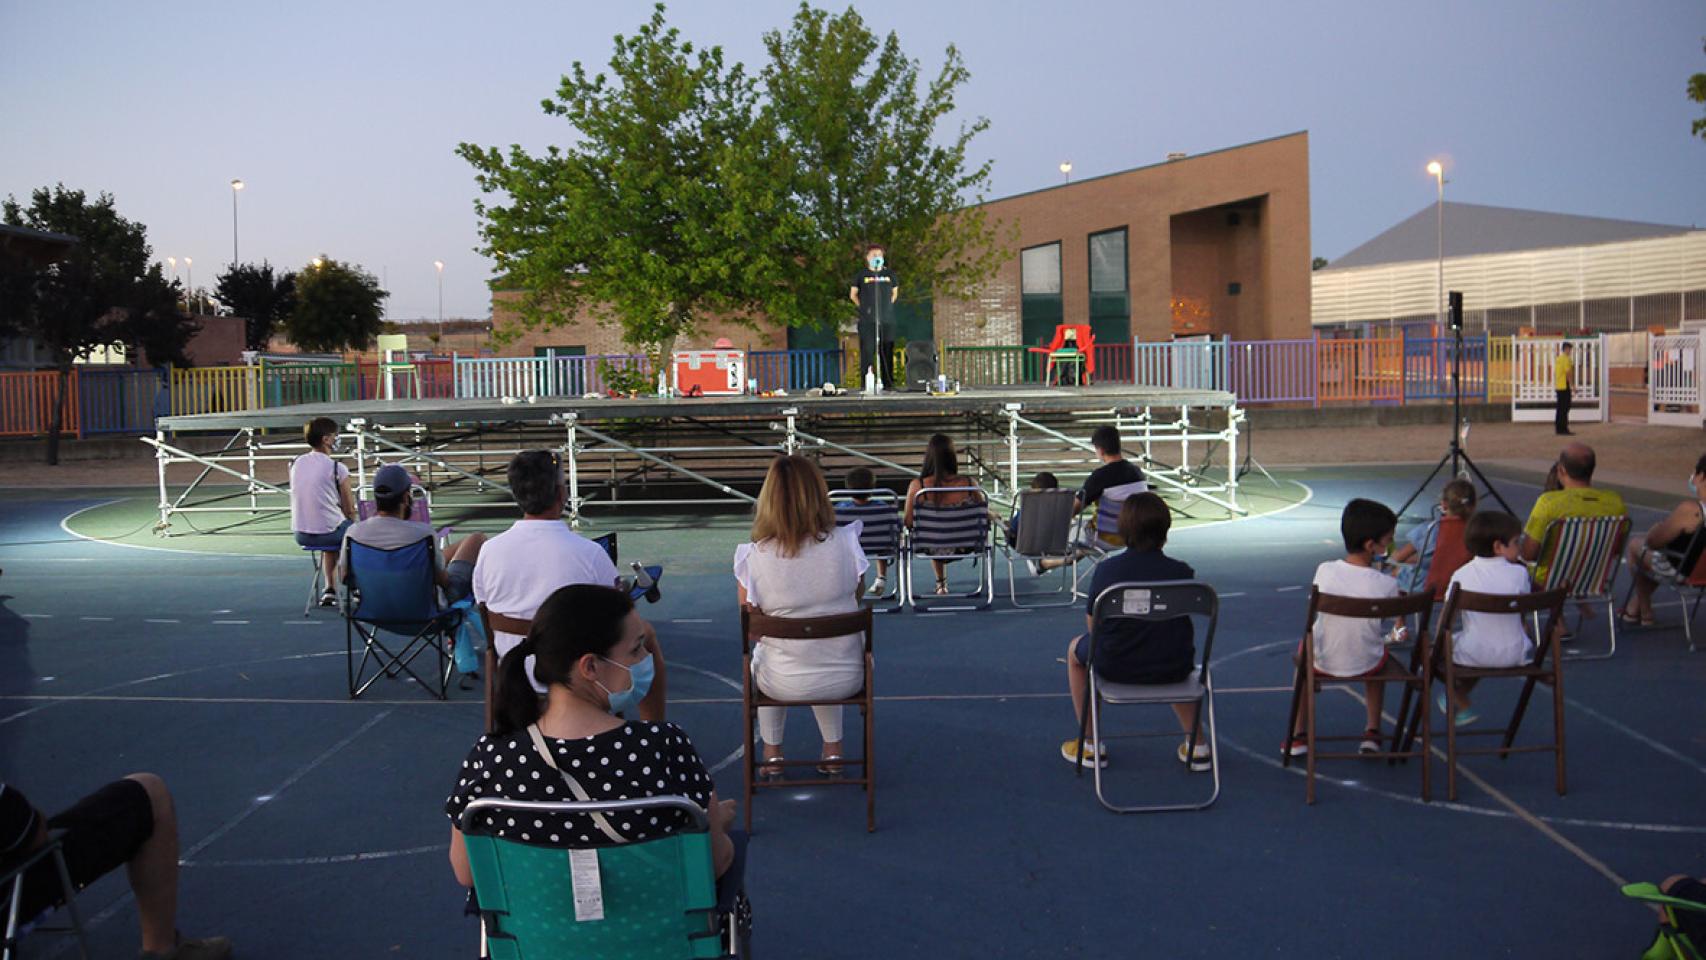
519,569
321,506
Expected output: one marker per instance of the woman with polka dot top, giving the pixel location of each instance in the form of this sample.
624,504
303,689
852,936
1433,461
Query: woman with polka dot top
588,647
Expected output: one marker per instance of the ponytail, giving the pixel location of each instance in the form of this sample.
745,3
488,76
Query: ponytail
573,622
516,704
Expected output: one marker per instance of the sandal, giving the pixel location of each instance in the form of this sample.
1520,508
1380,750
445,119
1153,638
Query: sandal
770,768
941,586
1634,619
828,767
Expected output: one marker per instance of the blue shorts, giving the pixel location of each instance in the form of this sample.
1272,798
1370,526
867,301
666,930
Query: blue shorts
461,575
323,541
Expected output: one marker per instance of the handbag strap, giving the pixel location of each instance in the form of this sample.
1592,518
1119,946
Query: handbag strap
602,822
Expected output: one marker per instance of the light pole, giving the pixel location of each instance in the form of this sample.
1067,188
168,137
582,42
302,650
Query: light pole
236,185
439,266
189,285
1438,170
173,261
1066,170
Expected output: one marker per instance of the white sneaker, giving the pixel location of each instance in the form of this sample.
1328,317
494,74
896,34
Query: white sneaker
1033,566
879,587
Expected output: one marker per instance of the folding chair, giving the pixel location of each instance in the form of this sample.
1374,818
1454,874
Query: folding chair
393,592
317,582
1669,943
1045,533
879,535
1581,555
754,625
1309,682
1689,568
612,902
12,875
1540,671
958,532
1154,602
1077,351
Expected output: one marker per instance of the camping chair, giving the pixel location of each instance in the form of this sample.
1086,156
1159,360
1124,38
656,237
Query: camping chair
1688,573
1077,351
12,875
1581,555
317,581
1669,943
1309,682
755,624
958,532
393,592
1045,533
879,537
391,347
652,899
1153,602
1550,673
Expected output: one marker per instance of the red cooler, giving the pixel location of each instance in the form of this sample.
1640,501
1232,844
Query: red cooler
717,373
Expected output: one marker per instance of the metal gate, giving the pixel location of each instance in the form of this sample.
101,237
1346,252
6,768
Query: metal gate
1676,392
1533,396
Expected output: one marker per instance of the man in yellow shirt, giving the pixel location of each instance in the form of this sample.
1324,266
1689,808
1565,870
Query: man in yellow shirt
1563,375
1578,498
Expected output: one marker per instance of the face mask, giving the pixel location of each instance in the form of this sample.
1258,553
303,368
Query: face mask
337,444
876,263
639,683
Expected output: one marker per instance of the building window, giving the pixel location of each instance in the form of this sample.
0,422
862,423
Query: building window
1040,308
1110,299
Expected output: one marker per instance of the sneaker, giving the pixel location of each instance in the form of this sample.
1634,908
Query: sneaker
1295,746
1398,634
1661,566
1464,717
1034,567
879,587
206,948
1371,742
329,598
1094,754
1200,760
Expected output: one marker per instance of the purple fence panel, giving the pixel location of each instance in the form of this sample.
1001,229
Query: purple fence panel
1272,371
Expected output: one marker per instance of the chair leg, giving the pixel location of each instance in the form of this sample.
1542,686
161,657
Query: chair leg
1450,734
1558,719
70,890
1309,733
1291,717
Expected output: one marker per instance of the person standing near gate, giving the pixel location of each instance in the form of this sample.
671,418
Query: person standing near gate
874,292
1563,375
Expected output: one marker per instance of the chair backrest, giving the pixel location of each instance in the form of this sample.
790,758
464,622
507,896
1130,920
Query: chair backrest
390,344
1160,600
393,588
1459,600
1692,567
1419,605
1108,507
956,527
657,898
1580,554
880,515
1045,523
755,624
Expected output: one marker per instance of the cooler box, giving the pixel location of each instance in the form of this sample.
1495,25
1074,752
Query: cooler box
717,373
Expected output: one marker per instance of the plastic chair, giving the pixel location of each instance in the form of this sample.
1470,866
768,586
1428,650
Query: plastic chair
1669,943
753,625
1154,602
656,899
1045,533
1690,574
393,592
390,346
12,881
957,532
879,535
1581,555
1078,350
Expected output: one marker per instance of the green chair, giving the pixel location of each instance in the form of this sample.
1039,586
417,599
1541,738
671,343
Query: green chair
1670,943
394,362
658,898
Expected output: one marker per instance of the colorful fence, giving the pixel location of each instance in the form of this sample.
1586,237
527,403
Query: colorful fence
1272,371
26,403
120,401
991,366
794,369
215,390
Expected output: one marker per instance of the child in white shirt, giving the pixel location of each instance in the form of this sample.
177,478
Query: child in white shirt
1489,639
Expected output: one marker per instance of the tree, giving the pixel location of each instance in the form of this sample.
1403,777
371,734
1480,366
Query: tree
105,290
262,299
1697,93
1317,263
338,306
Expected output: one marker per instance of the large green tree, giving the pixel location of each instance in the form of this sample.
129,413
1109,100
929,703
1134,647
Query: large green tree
339,306
105,290
263,299
1697,93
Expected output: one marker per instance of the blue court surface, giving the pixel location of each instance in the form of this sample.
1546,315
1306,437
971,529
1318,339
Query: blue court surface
312,825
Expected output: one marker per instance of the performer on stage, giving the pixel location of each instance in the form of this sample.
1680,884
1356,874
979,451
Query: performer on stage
874,291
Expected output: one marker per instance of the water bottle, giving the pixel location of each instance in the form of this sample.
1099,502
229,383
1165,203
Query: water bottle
870,381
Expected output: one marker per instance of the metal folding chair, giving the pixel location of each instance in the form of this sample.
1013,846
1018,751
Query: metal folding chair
12,881
1581,555
879,534
1689,568
958,532
1044,534
392,592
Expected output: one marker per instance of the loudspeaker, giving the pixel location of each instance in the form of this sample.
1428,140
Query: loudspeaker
920,363
1454,307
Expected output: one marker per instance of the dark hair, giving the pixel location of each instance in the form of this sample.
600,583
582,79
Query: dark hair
389,503
535,479
1700,464
318,429
1459,498
939,459
1487,527
1577,466
1365,520
1144,521
1045,481
1106,439
1568,345
861,478
575,621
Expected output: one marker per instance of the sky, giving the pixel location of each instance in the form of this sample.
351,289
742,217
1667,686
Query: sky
342,117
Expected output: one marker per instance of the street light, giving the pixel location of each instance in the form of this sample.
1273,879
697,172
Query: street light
1066,170
1437,170
439,266
236,185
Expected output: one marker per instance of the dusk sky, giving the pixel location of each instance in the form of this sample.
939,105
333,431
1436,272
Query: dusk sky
342,117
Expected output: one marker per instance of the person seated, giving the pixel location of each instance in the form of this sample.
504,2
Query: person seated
1489,639
1575,497
876,516
1136,651
1434,550
390,528
941,469
1650,556
131,823
1351,647
587,648
800,564
518,569
321,506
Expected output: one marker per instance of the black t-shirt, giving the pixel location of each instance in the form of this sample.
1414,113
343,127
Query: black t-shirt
1116,474
875,288
1138,651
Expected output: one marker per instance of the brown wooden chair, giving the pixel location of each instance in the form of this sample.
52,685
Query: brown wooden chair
1310,681
753,625
1547,668
494,622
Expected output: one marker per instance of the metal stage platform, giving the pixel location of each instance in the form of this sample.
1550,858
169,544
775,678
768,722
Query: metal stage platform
650,451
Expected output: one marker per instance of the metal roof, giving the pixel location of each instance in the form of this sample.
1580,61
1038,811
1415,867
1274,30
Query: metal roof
1472,229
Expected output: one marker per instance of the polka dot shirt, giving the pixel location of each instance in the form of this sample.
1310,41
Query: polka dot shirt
633,760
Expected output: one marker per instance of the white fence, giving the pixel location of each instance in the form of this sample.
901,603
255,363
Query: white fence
1533,394
1676,392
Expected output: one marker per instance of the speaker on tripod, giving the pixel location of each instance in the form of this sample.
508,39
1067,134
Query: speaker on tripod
921,366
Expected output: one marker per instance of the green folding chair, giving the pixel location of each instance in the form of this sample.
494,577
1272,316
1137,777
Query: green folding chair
657,899
1670,943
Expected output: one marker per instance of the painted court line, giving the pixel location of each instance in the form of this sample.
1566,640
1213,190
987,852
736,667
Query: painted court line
38,616
160,620
234,622
1688,761
97,619
691,620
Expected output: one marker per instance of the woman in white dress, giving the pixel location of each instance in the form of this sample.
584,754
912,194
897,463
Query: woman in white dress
800,564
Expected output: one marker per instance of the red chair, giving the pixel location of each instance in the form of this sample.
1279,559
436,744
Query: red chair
1079,350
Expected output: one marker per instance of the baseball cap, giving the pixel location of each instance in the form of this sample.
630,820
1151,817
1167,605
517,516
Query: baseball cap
391,480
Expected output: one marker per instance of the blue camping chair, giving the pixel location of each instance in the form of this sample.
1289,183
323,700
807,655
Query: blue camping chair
391,593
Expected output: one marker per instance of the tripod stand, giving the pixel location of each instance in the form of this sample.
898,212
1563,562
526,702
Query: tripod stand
1455,454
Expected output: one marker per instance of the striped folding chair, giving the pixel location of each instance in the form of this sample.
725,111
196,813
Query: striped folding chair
1106,537
957,532
879,534
1580,556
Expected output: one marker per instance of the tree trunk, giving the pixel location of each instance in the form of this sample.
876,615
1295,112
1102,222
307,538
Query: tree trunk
56,418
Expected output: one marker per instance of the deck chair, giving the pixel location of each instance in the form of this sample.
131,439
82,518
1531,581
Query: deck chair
1542,670
12,874
317,580
1581,555
1309,682
753,625
958,532
1154,602
653,899
1688,572
879,535
1045,533
391,593
1669,943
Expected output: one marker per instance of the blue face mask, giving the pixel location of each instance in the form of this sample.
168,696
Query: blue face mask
639,683
876,263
